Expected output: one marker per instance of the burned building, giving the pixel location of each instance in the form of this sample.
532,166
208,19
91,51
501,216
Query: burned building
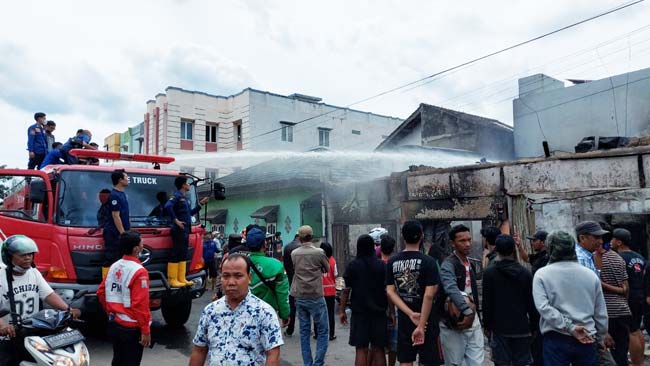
436,127
550,194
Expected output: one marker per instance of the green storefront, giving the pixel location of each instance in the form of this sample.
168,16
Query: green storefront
283,210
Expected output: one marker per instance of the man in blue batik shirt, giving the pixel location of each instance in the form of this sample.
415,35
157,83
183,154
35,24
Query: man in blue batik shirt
180,213
239,328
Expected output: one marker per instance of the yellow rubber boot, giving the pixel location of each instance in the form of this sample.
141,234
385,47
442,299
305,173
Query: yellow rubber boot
172,275
104,272
182,267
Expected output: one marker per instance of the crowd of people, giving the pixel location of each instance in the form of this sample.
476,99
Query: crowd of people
575,300
581,302
44,150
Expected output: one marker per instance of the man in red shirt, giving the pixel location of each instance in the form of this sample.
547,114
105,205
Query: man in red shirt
124,294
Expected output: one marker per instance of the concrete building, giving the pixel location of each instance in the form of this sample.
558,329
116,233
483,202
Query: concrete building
113,142
527,195
547,110
185,122
134,139
436,128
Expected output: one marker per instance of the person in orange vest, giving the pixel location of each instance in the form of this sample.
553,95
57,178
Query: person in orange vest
329,287
124,294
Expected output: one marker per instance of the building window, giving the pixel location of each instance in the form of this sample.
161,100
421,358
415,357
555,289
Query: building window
270,228
211,132
356,132
324,137
238,135
140,143
187,128
219,228
287,131
212,174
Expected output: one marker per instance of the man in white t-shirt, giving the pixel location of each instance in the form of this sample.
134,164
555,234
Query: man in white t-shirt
29,287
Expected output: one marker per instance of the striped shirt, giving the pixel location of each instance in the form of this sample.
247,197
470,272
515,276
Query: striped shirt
613,273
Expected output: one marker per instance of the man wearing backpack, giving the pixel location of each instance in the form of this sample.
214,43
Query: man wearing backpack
268,280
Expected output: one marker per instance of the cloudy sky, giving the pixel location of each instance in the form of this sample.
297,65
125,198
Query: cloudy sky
94,64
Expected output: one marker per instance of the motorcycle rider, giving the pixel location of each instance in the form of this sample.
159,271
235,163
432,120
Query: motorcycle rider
28,287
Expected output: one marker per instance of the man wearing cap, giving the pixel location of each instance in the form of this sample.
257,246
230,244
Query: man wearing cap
307,287
569,298
590,237
539,258
272,287
634,264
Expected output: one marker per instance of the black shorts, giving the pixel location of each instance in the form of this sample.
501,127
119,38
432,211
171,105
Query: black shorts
368,329
636,307
211,268
406,352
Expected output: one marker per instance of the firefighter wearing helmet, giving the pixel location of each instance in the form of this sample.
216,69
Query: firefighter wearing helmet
28,287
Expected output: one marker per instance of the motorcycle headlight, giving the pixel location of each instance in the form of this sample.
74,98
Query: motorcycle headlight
60,360
84,358
38,346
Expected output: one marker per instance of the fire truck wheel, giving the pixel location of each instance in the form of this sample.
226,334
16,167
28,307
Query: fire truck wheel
176,311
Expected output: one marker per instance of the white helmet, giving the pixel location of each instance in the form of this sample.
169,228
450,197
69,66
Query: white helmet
17,244
376,234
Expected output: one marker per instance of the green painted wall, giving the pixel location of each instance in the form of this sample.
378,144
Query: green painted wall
241,207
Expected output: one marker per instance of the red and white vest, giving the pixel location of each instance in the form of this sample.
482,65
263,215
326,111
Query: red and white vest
118,294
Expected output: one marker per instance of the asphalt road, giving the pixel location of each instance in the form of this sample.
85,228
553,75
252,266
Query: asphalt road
173,346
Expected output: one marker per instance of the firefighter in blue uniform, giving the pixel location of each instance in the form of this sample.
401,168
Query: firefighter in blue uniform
37,141
178,209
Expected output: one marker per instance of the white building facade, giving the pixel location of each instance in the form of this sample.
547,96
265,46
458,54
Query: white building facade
182,122
547,110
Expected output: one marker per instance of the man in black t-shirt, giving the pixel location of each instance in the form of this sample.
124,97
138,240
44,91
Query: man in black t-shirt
634,265
539,258
411,283
364,278
288,267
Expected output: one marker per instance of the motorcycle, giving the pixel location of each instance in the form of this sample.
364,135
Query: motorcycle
49,339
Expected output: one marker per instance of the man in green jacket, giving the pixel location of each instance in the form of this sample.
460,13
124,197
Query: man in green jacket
273,288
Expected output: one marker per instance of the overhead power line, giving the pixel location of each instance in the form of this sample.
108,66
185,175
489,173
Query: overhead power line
449,69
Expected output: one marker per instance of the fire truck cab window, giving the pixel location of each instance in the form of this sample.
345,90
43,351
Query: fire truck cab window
80,199
23,198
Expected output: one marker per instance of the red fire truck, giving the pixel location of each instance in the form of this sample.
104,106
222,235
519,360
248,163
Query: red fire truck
58,208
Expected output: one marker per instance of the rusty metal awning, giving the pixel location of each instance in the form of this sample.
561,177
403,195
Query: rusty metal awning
219,217
268,213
